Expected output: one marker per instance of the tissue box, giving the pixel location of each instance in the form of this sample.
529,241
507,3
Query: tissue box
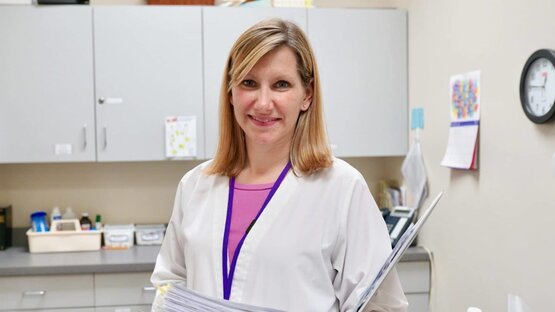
118,236
149,234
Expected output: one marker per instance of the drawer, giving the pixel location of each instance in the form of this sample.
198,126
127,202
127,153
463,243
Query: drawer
143,308
61,310
123,289
41,292
414,276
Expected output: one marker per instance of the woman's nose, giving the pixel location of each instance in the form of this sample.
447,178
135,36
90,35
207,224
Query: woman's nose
264,99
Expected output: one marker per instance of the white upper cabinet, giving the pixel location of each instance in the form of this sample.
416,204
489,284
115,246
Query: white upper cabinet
46,84
222,26
82,83
362,58
148,66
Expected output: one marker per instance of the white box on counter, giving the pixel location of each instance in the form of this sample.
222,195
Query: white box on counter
63,241
149,234
118,236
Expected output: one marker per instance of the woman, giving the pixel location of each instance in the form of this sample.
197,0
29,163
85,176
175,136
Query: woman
274,220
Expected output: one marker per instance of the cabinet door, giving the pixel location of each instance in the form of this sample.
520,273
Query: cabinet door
143,308
148,66
362,57
123,289
46,84
222,26
415,280
46,292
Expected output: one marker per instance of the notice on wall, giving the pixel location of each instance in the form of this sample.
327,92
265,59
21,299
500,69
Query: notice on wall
464,105
181,136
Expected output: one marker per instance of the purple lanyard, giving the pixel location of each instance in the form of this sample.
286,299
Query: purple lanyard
228,278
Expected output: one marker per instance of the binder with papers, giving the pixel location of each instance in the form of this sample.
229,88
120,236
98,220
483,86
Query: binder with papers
395,255
178,298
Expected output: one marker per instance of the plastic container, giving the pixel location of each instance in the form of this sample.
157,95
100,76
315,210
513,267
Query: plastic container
118,236
63,241
149,234
86,223
38,221
69,214
56,215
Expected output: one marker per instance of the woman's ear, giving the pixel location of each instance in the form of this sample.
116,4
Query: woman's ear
309,93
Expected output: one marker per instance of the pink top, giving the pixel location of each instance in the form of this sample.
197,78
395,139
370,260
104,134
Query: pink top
247,201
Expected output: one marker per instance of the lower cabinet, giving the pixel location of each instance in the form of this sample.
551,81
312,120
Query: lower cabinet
123,292
46,292
133,292
415,279
120,292
143,308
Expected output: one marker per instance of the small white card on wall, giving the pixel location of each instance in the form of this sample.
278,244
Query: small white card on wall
181,136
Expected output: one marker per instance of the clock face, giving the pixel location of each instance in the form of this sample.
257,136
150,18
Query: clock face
540,87
537,86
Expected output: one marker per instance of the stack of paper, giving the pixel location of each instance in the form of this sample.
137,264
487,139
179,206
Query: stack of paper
179,299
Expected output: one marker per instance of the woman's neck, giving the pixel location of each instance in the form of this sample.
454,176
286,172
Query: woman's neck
263,166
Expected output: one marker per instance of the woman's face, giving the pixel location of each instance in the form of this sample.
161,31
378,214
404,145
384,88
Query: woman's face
268,101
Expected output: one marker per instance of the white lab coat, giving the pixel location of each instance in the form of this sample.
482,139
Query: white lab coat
316,246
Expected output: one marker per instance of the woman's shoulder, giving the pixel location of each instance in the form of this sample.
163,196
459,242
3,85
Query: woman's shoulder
196,173
342,168
340,171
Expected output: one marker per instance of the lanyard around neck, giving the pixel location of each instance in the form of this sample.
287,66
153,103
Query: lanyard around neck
228,278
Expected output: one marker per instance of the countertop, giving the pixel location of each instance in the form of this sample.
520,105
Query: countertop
18,261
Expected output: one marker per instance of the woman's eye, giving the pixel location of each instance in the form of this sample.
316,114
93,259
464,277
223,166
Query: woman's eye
282,84
248,83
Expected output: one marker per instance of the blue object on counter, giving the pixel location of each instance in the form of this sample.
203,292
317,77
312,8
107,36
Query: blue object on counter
38,220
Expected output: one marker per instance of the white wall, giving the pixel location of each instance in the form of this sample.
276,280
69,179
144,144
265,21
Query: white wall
493,231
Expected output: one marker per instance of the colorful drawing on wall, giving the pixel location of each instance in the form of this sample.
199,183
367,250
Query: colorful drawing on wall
181,136
465,96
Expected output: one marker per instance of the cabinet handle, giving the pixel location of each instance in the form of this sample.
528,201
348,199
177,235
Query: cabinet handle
101,100
105,129
34,293
149,288
85,136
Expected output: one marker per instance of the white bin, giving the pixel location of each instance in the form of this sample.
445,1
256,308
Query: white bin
118,236
149,234
63,241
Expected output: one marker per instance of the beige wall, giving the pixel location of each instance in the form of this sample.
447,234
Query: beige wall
493,231
141,192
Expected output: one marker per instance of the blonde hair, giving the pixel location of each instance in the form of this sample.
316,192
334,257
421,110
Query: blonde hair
309,150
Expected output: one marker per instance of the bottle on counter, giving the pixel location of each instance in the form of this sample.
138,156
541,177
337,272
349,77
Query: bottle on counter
98,222
86,223
56,215
69,214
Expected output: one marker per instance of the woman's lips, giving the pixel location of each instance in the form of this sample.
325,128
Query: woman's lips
263,121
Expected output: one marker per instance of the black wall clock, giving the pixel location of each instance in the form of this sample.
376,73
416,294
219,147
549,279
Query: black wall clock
537,86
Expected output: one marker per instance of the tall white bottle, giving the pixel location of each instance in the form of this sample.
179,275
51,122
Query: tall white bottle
55,215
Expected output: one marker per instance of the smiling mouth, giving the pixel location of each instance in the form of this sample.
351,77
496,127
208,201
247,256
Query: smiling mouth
264,120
